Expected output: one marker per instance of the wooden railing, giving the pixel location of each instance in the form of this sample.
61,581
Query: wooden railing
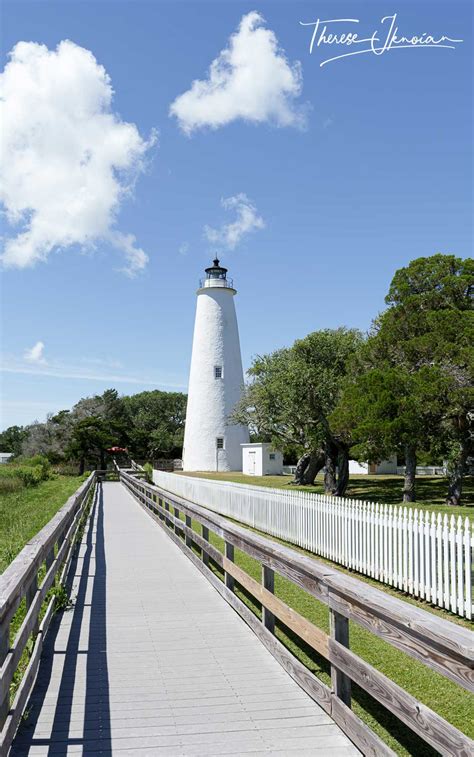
49,552
439,644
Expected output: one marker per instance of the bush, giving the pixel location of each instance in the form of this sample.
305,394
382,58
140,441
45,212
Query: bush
35,461
148,468
30,474
25,472
66,469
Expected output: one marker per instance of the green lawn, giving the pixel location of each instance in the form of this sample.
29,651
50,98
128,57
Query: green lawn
444,697
431,490
25,512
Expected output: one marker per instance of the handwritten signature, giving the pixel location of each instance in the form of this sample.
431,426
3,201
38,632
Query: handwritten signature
388,40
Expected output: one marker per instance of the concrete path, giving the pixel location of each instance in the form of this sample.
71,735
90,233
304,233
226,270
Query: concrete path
152,661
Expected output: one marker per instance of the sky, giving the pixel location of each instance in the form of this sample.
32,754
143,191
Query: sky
142,138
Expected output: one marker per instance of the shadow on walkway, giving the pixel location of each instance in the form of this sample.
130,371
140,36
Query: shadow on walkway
79,713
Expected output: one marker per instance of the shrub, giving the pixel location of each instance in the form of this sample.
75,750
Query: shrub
66,469
35,461
148,468
26,472
30,474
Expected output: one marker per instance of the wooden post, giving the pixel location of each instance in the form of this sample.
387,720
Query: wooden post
29,597
205,535
177,528
229,553
189,523
49,558
268,582
167,508
341,683
160,504
61,537
4,649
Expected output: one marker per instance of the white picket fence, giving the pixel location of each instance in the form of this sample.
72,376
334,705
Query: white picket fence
422,553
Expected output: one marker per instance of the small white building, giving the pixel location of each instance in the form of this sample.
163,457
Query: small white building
383,468
260,459
5,457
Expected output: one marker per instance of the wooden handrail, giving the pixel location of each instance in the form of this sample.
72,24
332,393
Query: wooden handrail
438,643
52,546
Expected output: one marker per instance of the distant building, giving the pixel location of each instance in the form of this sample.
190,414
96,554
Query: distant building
5,457
382,468
260,459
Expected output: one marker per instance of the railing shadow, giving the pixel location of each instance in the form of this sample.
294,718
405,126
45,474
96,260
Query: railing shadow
79,715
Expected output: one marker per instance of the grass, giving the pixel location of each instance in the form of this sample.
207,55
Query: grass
25,512
444,697
22,515
431,490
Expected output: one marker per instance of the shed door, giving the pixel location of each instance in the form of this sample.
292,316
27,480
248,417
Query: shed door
252,463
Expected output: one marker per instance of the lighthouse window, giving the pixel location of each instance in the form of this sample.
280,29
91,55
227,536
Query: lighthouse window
218,371
272,456
220,442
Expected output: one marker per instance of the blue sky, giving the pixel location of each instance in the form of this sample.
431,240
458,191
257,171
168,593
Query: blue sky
380,174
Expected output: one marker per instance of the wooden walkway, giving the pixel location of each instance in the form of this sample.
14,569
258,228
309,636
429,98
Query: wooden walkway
152,661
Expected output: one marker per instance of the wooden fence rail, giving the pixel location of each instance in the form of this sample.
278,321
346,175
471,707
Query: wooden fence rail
439,644
50,551
421,553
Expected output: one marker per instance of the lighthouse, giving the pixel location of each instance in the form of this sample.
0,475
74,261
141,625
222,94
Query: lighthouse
211,442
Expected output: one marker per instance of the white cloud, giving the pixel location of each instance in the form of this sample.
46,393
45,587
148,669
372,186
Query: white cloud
248,220
250,79
183,248
136,258
71,159
36,353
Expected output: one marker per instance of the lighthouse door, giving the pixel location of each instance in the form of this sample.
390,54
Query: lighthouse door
251,463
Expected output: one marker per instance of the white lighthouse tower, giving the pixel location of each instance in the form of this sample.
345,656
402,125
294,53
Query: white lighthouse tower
216,379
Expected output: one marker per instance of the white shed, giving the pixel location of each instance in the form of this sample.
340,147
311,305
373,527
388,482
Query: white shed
260,459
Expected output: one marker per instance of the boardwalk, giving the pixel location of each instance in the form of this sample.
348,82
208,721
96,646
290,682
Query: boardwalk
152,661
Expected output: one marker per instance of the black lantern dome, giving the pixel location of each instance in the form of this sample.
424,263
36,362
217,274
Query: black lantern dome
216,271
216,276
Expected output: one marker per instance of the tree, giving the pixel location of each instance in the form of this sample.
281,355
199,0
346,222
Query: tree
149,423
435,297
90,439
156,423
290,397
410,388
387,409
11,439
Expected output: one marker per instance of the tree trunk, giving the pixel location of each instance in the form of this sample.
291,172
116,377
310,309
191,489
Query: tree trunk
455,478
103,465
308,467
410,473
82,466
301,466
330,482
342,471
316,463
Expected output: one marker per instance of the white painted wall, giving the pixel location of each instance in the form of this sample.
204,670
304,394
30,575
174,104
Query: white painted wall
387,467
211,400
358,468
257,460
